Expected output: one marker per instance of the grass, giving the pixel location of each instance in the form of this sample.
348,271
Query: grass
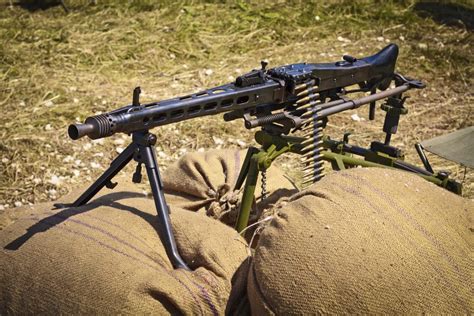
57,68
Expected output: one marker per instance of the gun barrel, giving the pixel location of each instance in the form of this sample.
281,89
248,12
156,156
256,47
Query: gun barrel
76,131
95,126
354,104
329,108
144,117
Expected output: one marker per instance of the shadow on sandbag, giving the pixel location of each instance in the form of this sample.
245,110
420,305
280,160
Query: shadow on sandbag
57,218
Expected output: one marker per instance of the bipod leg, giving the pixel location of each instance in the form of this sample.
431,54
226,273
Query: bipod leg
105,179
147,156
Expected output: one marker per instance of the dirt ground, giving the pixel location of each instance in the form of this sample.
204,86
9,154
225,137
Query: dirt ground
58,67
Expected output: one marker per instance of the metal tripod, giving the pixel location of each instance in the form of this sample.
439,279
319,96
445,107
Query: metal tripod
142,151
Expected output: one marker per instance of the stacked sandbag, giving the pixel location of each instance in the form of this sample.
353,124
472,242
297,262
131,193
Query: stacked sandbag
9,216
204,182
106,258
366,241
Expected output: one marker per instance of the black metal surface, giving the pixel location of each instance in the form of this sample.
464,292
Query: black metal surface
354,104
400,164
372,106
257,92
220,99
421,153
386,149
342,73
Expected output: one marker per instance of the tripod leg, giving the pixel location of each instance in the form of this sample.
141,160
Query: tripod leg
245,167
117,164
248,195
165,230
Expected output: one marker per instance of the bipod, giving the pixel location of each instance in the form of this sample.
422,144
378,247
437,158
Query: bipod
142,151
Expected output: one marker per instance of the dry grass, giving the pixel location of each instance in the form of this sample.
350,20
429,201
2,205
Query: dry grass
57,68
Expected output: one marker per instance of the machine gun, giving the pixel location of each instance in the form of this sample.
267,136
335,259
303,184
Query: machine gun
289,104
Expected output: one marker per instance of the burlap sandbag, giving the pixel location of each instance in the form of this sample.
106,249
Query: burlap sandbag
366,241
106,258
205,181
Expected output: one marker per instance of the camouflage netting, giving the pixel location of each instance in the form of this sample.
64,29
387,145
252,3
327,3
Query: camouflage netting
366,241
204,182
106,258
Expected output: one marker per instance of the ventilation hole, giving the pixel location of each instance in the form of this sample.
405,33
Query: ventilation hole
218,91
201,94
210,106
227,102
159,117
243,99
177,113
186,97
194,109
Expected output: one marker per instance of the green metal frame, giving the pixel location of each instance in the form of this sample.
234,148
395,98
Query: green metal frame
272,146
256,161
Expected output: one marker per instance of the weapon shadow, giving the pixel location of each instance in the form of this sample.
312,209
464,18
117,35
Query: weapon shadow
446,13
111,200
37,5
57,218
